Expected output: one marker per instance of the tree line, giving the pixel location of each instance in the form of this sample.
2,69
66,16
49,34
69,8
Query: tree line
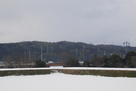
24,54
55,51
129,61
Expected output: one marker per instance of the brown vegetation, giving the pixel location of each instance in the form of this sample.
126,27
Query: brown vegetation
109,73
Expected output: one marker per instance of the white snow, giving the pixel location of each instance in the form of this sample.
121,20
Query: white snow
63,82
60,67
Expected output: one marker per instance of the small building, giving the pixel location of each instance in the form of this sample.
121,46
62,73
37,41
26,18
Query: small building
81,62
55,64
3,64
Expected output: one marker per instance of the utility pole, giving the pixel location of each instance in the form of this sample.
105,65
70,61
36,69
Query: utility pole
48,52
104,50
47,49
29,55
104,53
76,53
119,50
126,44
41,53
83,52
24,55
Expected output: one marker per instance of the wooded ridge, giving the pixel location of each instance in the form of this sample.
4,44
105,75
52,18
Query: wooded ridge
57,51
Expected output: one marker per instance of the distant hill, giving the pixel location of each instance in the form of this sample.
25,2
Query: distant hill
57,51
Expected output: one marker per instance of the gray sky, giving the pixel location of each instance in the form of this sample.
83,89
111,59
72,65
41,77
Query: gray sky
89,21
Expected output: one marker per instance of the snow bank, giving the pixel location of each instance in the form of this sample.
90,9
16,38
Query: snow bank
81,68
63,82
100,68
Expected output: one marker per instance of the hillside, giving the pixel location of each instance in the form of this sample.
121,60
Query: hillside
57,51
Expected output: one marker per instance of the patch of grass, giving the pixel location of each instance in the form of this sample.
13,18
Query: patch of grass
109,73
24,72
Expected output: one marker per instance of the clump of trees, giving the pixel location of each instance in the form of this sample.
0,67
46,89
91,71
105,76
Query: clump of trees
18,60
72,62
40,63
115,60
56,51
97,61
129,61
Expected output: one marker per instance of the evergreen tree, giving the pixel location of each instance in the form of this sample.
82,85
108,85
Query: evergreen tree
133,61
72,62
97,61
129,55
106,61
115,60
129,59
40,63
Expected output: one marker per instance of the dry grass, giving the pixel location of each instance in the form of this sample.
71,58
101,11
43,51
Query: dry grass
109,73
24,72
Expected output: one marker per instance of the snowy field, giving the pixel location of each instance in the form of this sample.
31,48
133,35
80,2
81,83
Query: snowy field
63,82
60,67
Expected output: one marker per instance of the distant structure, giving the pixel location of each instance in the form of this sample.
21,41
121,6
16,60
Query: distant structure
47,49
104,53
83,52
76,53
41,54
55,64
126,44
104,50
29,55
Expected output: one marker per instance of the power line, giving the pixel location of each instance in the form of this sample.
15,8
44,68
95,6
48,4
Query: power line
126,44
47,49
76,53
29,55
41,53
83,52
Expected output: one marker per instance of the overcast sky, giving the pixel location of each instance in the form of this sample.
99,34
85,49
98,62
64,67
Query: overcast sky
89,21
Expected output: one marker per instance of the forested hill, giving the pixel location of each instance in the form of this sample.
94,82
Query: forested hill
57,51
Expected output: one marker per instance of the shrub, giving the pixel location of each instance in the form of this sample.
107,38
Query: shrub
72,62
40,63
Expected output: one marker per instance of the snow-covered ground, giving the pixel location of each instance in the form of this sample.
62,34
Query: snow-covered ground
81,68
63,82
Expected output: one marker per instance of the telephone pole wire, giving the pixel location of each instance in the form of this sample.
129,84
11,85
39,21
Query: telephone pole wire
126,44
41,54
